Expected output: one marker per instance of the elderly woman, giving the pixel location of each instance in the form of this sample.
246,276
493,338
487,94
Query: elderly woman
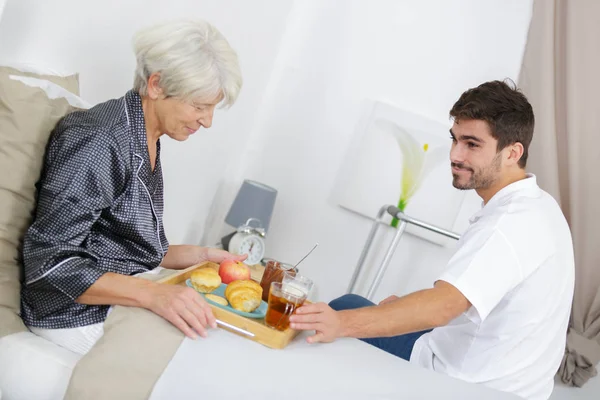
100,199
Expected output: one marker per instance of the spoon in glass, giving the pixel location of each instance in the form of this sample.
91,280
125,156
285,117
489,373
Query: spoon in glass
311,250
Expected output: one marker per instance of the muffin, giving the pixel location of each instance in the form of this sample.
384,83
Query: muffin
244,295
205,280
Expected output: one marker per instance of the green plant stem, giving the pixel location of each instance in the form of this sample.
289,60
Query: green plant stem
401,205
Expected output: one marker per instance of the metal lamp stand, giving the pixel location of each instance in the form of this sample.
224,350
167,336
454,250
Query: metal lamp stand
404,221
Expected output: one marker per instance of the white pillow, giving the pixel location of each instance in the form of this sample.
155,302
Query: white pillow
53,91
34,68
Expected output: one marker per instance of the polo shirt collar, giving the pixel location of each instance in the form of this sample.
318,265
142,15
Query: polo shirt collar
529,184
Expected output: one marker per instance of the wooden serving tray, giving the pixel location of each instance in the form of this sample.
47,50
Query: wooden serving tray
262,333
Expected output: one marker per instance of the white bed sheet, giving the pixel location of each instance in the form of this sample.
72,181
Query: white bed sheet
227,366
33,368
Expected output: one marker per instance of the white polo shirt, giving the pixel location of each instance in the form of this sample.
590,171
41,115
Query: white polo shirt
515,265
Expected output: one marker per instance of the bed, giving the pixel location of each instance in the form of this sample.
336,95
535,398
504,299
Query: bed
141,355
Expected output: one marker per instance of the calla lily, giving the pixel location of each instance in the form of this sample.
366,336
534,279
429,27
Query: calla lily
417,161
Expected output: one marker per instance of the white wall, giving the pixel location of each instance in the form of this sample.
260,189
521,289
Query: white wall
308,65
94,39
419,55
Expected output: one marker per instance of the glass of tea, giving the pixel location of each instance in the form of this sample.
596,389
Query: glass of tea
297,281
282,304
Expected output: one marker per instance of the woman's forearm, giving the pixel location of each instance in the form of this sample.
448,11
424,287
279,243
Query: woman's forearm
182,256
180,305
117,289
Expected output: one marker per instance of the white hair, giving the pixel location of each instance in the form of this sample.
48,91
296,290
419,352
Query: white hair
193,58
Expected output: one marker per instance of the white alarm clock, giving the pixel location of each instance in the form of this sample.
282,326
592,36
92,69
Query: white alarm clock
249,240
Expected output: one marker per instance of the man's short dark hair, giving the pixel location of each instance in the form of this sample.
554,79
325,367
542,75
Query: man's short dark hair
504,108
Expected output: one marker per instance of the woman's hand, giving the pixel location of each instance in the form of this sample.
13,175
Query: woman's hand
182,256
218,255
183,307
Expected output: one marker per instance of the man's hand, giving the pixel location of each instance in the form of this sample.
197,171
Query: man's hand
388,299
320,318
183,307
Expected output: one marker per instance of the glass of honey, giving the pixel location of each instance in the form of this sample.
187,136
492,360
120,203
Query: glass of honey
274,272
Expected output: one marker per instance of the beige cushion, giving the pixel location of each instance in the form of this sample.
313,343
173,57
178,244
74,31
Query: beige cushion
27,118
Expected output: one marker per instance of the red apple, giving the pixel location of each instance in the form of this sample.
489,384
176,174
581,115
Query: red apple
232,270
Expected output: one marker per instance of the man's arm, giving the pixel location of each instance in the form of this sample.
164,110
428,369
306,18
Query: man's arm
183,256
417,311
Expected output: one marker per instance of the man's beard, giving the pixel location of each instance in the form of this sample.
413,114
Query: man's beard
481,179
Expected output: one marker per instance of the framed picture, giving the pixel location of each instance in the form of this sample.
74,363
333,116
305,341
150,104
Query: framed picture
402,159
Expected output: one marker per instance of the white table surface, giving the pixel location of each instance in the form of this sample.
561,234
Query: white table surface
226,366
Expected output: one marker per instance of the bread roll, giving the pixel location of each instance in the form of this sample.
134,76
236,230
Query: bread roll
217,299
244,295
205,280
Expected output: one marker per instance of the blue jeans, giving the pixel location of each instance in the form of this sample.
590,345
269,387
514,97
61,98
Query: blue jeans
400,346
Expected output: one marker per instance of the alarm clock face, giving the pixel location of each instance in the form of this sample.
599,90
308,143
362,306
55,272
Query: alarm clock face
252,245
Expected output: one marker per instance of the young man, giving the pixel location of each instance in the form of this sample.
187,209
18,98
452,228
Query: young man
498,315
